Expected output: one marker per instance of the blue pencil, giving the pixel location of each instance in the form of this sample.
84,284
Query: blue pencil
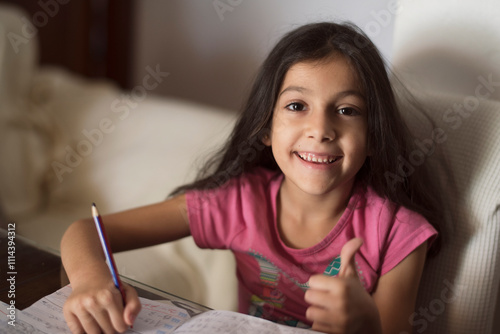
107,251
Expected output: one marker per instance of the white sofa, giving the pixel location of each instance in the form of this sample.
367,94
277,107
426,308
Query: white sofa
150,146
66,142
447,53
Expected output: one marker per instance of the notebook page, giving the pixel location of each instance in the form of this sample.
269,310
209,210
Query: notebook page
46,316
18,326
227,322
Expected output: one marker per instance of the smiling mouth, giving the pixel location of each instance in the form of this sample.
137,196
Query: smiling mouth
318,159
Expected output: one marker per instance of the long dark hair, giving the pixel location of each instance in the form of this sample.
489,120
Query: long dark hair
386,170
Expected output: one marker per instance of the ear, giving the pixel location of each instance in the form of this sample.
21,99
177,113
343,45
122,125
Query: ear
266,139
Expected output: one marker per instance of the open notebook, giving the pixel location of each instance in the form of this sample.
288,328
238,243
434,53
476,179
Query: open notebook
156,317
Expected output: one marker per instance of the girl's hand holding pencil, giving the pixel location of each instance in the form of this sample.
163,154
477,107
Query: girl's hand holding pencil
97,304
97,307
100,302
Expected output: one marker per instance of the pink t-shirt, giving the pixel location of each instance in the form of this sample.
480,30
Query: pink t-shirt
241,216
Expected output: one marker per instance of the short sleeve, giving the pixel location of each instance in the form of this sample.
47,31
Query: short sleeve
406,232
212,215
240,205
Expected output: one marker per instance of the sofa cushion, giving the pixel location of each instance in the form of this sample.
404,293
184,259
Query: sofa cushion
460,286
23,140
451,64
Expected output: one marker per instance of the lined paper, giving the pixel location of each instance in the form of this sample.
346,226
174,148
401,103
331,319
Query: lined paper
156,317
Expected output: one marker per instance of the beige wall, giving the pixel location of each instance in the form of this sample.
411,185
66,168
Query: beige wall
212,48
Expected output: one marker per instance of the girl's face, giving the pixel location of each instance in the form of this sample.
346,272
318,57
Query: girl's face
319,129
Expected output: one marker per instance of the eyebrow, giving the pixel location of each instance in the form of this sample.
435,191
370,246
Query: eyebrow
342,94
293,88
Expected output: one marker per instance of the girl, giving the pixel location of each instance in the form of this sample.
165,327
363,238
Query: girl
327,228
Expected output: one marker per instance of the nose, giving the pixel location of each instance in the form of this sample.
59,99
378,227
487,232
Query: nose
319,127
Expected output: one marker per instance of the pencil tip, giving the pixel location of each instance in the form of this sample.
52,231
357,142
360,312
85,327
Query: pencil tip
94,210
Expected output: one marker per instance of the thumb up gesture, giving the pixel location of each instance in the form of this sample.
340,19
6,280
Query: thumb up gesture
347,260
339,304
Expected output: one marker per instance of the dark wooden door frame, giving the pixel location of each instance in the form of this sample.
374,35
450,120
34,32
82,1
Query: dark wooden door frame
93,38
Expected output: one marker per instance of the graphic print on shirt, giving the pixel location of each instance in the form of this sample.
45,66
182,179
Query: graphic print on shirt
333,268
271,297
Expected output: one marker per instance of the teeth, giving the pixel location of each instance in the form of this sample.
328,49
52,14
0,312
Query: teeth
312,158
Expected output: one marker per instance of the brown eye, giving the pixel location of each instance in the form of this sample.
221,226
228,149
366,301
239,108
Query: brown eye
348,111
295,106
